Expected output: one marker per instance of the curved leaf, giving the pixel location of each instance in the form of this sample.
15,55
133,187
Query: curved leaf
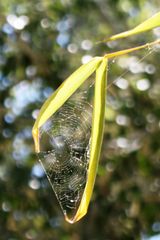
67,88
147,25
96,137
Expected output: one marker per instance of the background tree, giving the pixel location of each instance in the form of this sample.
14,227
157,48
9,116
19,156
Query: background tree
41,43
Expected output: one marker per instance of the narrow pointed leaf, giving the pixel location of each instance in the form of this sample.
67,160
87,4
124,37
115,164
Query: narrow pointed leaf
147,25
96,137
62,134
57,99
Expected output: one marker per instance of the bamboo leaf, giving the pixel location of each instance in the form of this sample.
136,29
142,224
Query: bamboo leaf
57,99
96,137
147,25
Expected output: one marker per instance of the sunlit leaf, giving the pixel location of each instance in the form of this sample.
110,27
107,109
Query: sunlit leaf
57,99
147,25
68,139
96,137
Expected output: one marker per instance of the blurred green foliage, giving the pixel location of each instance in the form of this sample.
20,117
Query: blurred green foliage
41,43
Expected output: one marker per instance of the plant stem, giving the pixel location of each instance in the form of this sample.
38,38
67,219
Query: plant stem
122,52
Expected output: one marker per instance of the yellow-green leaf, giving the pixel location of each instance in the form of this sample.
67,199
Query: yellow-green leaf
147,25
57,99
96,137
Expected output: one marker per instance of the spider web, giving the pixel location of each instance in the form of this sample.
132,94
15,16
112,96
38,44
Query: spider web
64,148
65,145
